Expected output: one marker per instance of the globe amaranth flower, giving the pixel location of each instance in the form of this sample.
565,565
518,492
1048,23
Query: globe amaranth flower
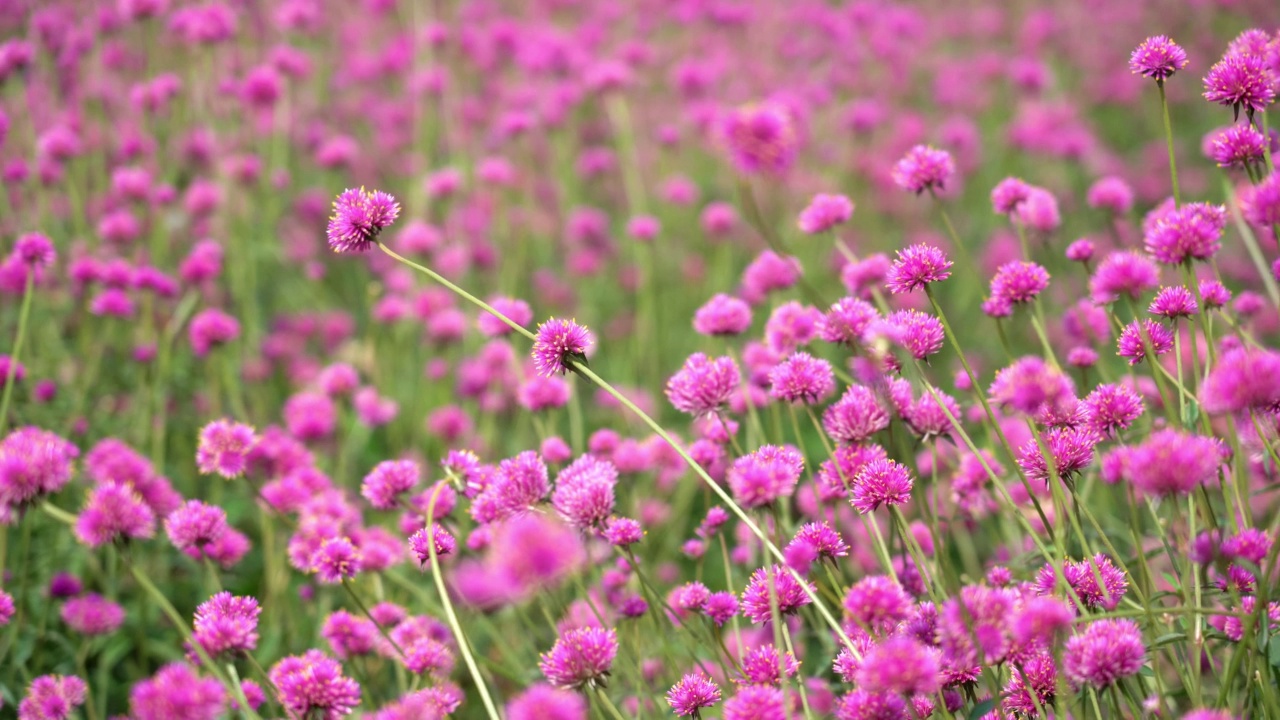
1112,194
1008,194
1123,273
825,212
1032,687
312,685
1019,281
847,321
802,378
580,657
559,345
755,702
211,328
1096,581
923,168
1260,204
542,701
34,250
335,560
114,511
1174,302
1134,340
765,665
516,310
1031,386
880,482
1240,80
226,624
1191,232
877,603
760,138
1107,651
1158,58
704,384
195,526
1170,462
1110,408
774,583
824,541
765,476
224,448
916,267
1071,450
1237,145
358,217
1039,211
722,315
856,416
693,692
92,614
434,537
175,691
33,463
388,482
900,664
584,492
1242,380
920,333
52,697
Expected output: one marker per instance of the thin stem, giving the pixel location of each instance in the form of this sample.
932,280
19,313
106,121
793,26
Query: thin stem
1168,136
17,347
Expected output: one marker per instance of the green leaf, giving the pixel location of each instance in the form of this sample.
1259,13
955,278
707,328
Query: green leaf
982,708
1273,651
1169,639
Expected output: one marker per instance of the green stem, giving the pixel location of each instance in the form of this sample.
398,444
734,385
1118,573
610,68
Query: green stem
23,314
1168,136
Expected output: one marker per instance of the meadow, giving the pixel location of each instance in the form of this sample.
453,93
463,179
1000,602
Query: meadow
566,359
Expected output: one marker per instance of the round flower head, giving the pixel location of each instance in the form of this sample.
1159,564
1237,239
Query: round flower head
900,664
1041,619
34,250
760,138
923,168
358,217
542,701
1070,448
52,697
388,482
1260,204
786,591
1105,652
802,378
856,416
1133,341
916,267
580,657
1112,194
704,384
1242,380
211,328
693,692
92,614
881,482
825,212
1019,282
723,315
224,448
1039,211
1110,408
177,692
114,511
1174,302
1191,232
584,492
765,665
1157,57
877,603
1031,386
848,321
1237,145
336,560
756,702
1172,462
517,310
766,475
312,685
1096,581
226,624
33,463
194,526
1240,80
434,537
920,333
1123,273
1008,194
559,344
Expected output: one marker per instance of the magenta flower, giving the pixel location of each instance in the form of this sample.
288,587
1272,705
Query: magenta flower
1171,462
7,608
177,692
1240,80
580,657
855,417
114,511
802,379
1242,381
1237,145
1112,194
923,168
766,475
693,692
335,560
34,250
312,685
358,217
1019,282
1105,652
542,701
1031,386
1191,232
760,138
1123,273
212,328
1071,450
515,309
1110,408
1260,204
1158,58
916,267
704,384
224,448
766,665
756,702
389,482
877,603
194,526
52,697
723,315
33,463
421,542
92,614
1096,581
560,344
1008,194
226,624
920,333
900,664
777,582
848,321
1134,341
880,482
825,212
584,492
